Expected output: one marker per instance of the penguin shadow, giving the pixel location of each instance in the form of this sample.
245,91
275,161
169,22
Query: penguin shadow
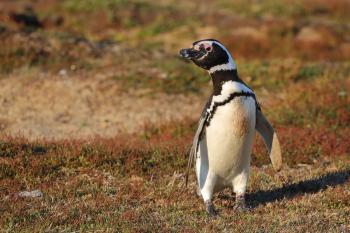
289,191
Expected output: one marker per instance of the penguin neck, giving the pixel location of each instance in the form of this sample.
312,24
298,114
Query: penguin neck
220,77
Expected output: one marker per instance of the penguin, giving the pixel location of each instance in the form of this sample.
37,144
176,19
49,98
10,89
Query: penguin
223,142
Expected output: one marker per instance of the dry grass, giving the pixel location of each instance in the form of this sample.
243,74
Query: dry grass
125,185
136,182
75,77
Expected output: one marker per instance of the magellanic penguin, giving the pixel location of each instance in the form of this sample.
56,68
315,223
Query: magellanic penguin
223,142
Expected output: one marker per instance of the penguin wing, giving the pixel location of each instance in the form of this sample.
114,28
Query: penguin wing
270,138
194,148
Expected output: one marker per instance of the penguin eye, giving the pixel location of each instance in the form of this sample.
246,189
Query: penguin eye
208,49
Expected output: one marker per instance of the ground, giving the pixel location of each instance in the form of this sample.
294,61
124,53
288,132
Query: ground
98,112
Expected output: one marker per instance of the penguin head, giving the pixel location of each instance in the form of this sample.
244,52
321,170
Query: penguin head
210,55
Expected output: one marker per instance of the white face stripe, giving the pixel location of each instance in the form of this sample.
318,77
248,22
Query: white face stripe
206,44
230,65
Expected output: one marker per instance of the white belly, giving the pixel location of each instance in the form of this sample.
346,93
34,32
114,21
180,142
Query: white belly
229,138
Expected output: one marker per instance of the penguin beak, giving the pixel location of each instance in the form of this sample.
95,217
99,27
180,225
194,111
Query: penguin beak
191,53
185,53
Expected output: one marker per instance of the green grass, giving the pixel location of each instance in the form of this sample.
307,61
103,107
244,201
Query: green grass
93,5
287,9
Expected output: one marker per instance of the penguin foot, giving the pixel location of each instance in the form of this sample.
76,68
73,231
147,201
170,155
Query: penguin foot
240,205
210,209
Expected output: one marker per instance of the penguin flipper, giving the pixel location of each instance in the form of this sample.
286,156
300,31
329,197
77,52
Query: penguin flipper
194,148
270,138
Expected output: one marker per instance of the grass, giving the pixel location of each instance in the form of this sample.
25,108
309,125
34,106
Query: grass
121,185
296,9
134,182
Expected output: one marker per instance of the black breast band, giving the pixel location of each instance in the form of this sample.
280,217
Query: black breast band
231,97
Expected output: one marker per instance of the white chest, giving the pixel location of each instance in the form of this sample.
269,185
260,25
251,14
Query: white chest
229,137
